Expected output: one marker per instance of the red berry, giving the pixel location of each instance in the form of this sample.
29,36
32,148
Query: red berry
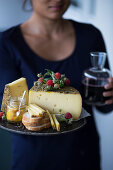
40,80
50,83
68,115
67,82
58,75
1,114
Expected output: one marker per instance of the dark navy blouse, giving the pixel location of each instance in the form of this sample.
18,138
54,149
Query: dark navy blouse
78,150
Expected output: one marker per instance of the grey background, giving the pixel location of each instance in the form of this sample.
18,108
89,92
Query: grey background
97,12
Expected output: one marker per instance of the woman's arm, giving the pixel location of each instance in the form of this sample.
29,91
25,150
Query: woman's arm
100,46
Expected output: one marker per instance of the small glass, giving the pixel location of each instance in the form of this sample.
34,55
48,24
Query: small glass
13,109
94,79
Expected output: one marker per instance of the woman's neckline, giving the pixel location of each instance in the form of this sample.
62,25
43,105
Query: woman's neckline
50,61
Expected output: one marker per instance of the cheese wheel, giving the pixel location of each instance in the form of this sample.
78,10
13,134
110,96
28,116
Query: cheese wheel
63,100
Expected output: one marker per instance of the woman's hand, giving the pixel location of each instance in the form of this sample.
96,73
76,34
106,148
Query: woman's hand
109,93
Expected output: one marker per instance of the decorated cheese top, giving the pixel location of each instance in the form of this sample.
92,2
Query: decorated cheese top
65,90
51,81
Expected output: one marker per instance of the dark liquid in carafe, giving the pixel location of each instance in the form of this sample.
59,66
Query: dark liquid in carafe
93,94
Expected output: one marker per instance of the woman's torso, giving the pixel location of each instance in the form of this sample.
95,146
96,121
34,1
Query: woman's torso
53,45
79,149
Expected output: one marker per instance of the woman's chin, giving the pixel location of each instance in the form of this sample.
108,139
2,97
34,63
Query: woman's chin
55,16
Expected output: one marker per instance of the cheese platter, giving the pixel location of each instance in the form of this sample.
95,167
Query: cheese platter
50,107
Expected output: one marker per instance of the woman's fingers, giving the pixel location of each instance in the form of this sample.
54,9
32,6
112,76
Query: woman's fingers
110,80
110,83
108,86
108,94
109,101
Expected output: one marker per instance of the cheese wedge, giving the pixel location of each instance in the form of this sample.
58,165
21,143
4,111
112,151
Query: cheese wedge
34,113
14,89
51,120
36,109
56,122
64,100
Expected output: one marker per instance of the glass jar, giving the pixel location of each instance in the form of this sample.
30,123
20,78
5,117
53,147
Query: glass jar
94,79
14,114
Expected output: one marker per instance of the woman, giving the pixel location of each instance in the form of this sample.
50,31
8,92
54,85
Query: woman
47,40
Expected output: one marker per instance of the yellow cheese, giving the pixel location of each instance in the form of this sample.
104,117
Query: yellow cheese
35,110
14,89
64,100
51,120
56,122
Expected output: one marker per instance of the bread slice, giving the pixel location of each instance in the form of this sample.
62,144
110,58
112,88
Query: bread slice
35,123
39,128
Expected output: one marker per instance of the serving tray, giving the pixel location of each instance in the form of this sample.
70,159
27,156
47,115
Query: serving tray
65,128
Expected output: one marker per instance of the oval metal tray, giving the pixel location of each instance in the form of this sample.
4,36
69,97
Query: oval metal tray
65,128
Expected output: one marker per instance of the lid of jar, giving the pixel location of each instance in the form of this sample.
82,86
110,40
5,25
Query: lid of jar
15,101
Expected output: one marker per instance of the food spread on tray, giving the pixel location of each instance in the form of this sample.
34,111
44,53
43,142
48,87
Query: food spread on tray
49,102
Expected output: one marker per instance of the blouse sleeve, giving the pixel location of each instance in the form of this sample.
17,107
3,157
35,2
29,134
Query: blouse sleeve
8,67
99,45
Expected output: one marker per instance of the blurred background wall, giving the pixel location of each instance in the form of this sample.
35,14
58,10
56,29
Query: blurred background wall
97,12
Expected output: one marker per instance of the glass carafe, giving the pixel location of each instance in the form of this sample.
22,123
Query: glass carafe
94,79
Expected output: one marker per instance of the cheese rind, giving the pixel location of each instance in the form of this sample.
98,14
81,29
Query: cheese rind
14,89
67,100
